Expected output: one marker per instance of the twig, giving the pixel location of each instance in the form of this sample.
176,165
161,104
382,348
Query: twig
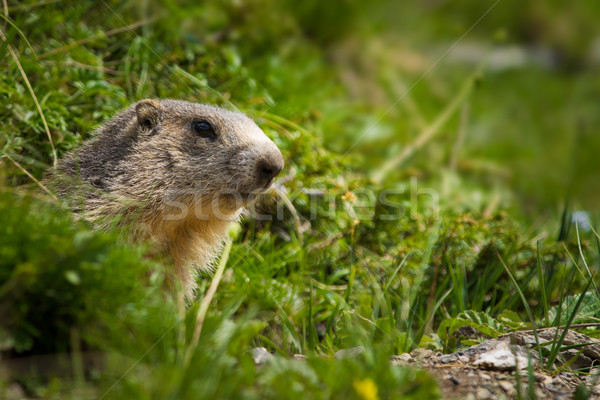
40,184
573,326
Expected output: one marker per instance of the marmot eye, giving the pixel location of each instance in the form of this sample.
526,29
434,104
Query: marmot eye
204,129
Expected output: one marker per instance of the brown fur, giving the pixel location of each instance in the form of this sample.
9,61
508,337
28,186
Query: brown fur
171,181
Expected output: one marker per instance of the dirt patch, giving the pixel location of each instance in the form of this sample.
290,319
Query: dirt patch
497,368
463,381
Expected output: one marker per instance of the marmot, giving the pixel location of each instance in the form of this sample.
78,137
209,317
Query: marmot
177,172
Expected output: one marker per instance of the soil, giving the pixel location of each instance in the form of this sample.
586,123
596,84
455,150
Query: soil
497,368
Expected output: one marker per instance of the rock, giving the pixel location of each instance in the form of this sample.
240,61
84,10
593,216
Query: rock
421,354
590,347
507,386
453,379
543,379
581,361
447,358
463,359
401,359
14,391
482,393
261,355
501,358
539,393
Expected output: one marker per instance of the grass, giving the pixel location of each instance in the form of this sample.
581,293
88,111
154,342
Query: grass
447,213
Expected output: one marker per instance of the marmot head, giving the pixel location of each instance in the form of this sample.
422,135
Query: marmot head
202,156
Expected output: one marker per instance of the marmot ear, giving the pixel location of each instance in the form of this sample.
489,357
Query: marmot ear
148,113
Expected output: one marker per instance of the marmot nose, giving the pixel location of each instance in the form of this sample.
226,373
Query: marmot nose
269,167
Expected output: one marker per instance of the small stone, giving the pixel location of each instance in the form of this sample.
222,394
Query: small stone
261,355
401,359
501,358
464,359
446,358
395,361
453,379
421,354
482,393
14,392
508,387
486,377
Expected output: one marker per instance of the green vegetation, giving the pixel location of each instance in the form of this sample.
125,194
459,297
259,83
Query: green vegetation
423,191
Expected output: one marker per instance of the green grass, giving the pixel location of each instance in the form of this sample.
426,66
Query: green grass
360,253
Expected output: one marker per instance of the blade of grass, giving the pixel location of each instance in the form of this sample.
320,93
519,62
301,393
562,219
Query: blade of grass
313,340
542,285
398,268
557,344
16,28
44,188
581,251
459,287
272,344
589,274
557,319
565,224
15,58
429,317
595,233
288,324
566,365
525,304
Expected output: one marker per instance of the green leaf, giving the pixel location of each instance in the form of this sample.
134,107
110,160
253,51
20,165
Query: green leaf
512,320
480,321
73,277
587,311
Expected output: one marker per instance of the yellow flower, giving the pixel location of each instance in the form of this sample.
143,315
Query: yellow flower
366,389
349,197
